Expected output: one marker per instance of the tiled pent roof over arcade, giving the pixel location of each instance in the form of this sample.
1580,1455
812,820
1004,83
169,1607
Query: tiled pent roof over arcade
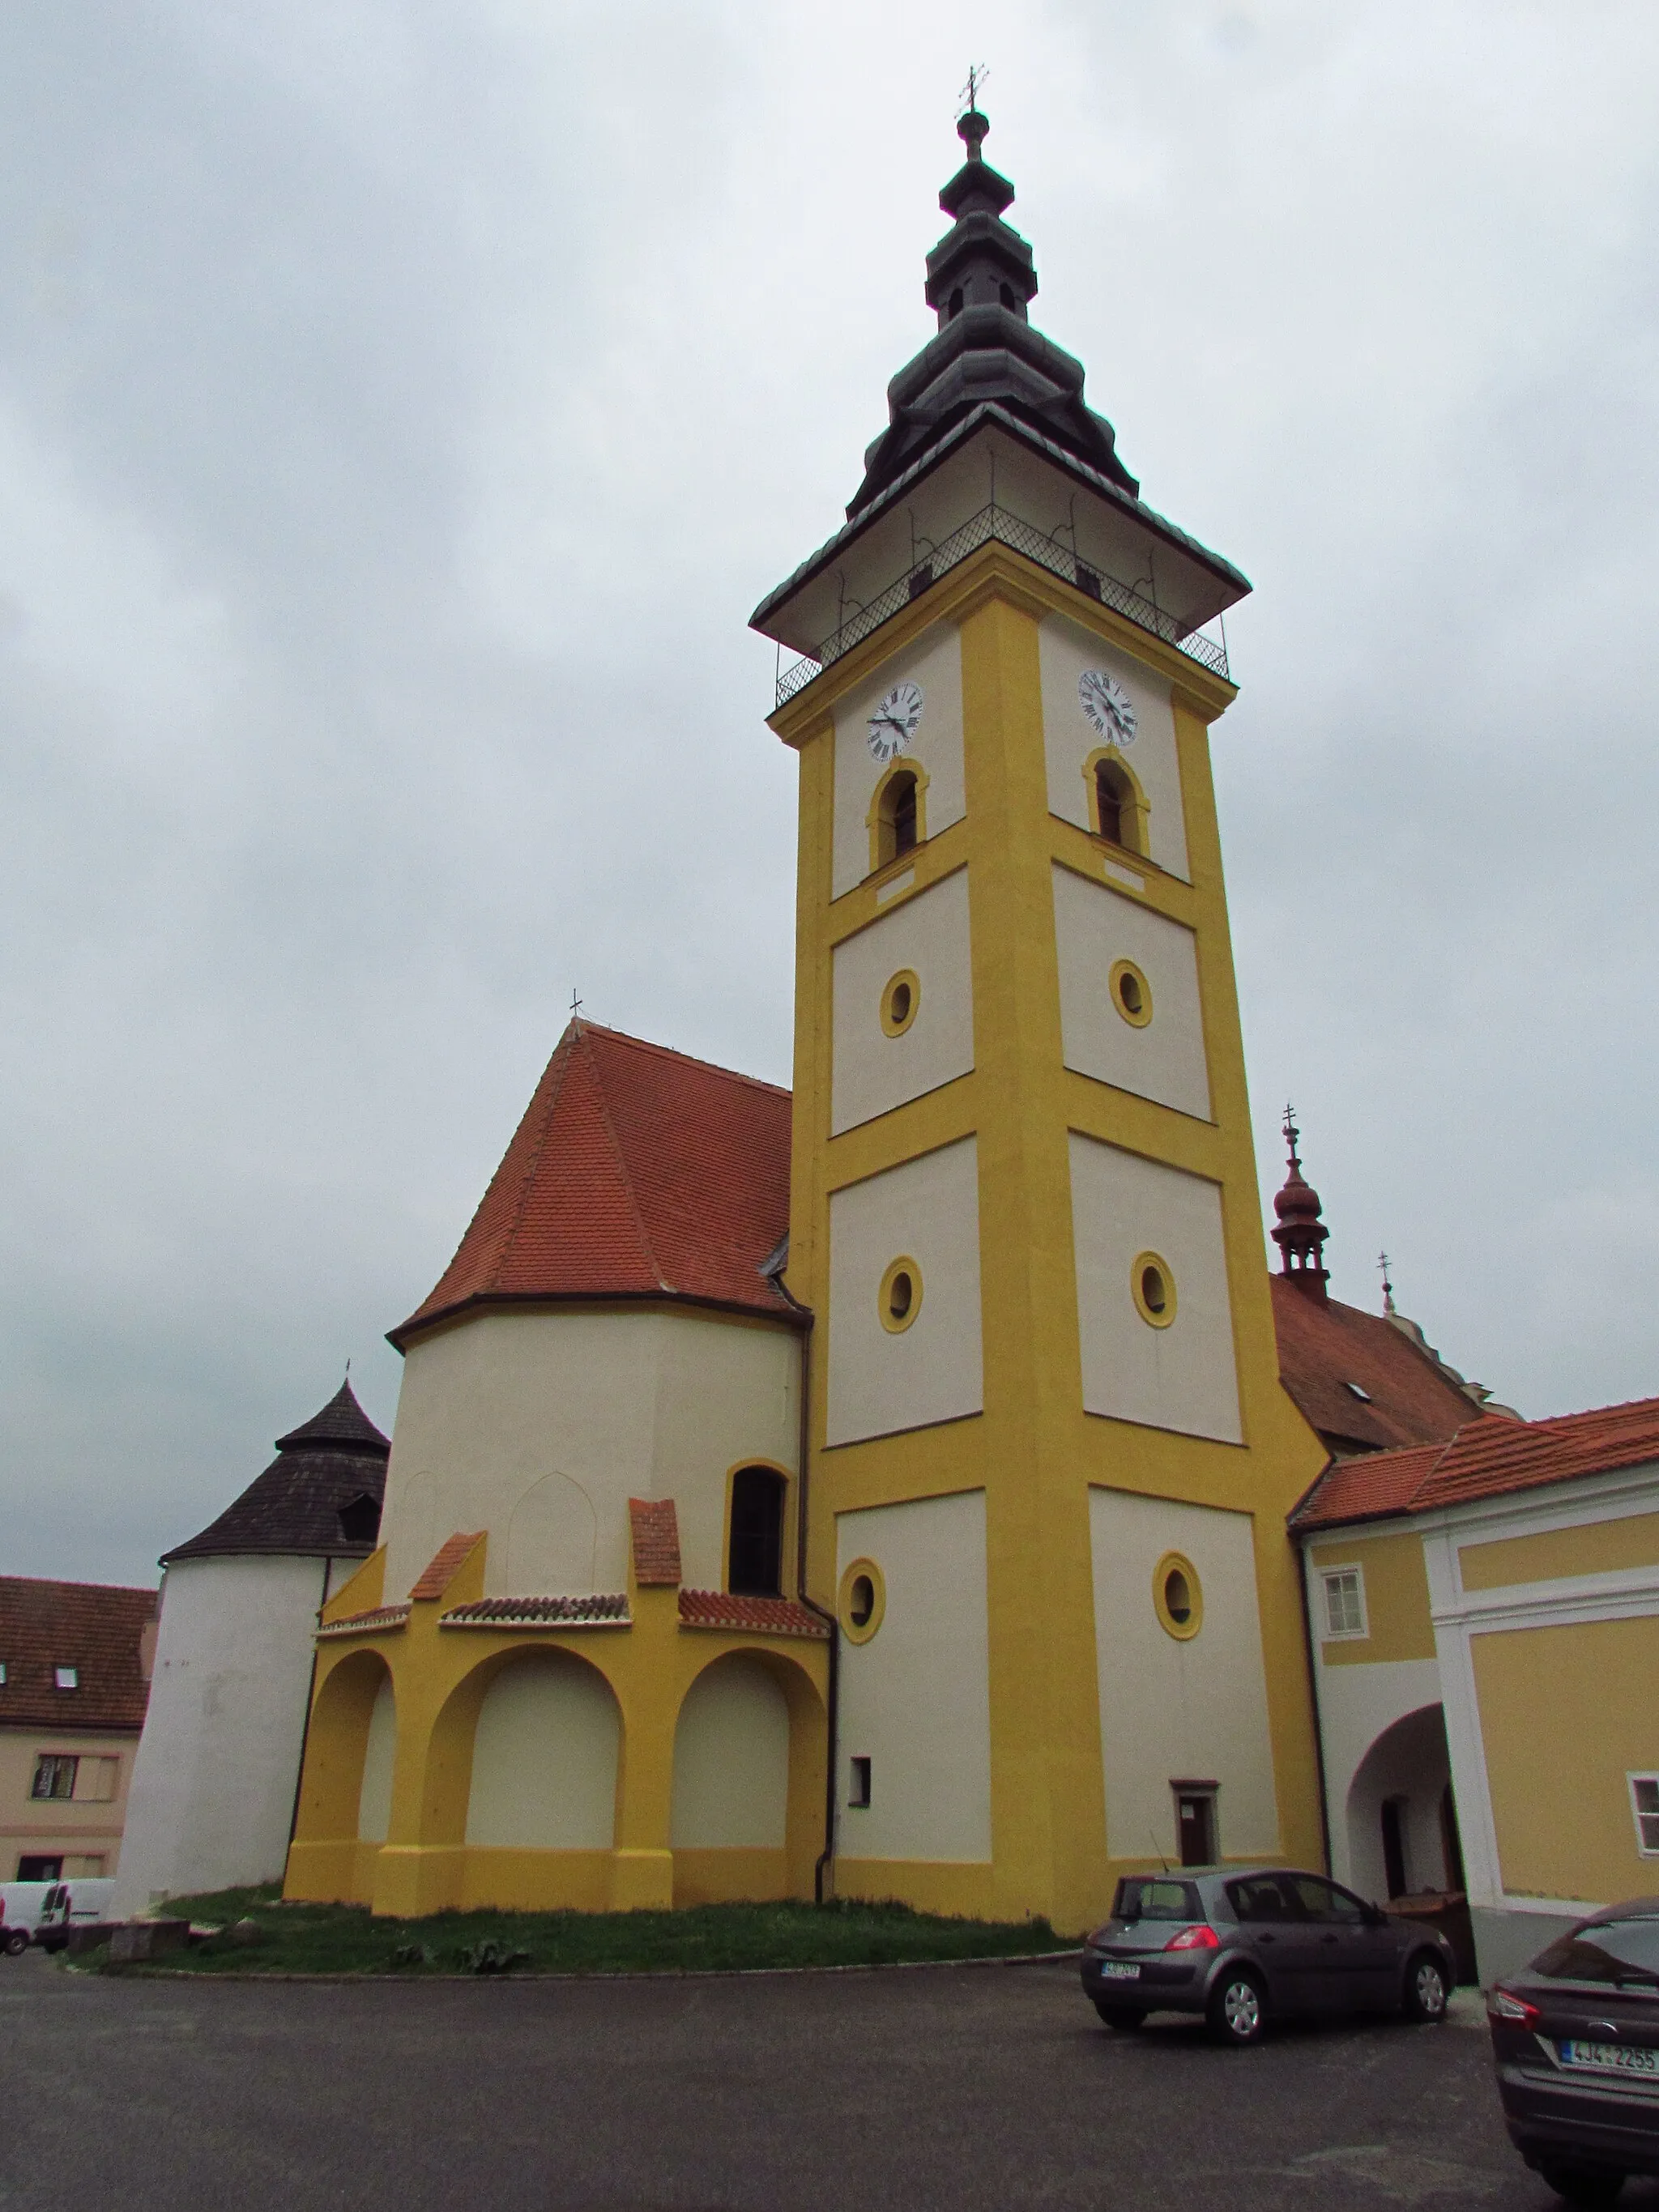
1488,1458
636,1172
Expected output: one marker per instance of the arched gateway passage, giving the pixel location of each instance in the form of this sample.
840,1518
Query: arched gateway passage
1401,1823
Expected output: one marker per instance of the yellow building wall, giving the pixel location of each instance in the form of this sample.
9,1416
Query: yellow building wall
1397,1616
1033,1450
84,1830
1597,1548
1565,1713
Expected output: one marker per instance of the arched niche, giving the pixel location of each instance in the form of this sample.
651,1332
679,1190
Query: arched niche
552,1540
545,1748
732,1761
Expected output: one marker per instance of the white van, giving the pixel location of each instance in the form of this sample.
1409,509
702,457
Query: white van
43,1913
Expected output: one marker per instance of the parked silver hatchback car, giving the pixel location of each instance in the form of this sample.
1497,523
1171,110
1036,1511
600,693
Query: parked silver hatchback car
1246,1945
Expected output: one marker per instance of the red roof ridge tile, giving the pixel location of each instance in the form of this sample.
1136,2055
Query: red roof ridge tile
687,1059
445,1565
655,1530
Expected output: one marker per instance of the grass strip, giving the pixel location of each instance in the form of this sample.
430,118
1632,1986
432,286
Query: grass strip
336,1939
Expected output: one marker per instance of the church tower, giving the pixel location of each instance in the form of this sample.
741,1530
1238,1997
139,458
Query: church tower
1050,1458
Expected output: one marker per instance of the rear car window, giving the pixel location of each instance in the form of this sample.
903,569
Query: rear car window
1612,1951
1147,1897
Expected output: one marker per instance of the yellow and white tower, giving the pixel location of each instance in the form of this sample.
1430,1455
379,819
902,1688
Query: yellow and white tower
1050,1457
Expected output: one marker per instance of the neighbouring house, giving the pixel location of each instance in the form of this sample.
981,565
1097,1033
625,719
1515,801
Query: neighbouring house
213,1790
75,1671
1485,1621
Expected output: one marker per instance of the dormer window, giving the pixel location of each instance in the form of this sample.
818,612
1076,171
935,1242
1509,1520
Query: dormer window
955,307
1008,300
1363,1396
67,1678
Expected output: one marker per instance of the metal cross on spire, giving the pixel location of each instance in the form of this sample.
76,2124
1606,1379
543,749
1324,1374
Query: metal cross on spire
970,91
1384,1263
1292,1133
575,1003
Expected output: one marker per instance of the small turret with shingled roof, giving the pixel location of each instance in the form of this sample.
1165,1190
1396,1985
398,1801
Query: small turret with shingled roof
320,1497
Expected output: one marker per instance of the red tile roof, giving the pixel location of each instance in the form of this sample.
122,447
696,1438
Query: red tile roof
636,1172
445,1565
366,1623
1323,1345
765,1616
93,1627
655,1529
1488,1458
602,1612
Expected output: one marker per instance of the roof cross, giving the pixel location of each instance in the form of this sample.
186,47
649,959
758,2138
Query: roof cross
976,76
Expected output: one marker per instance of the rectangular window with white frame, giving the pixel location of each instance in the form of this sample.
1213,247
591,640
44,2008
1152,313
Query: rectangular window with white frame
1343,1590
1644,1810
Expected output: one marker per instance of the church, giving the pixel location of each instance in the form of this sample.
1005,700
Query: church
879,1489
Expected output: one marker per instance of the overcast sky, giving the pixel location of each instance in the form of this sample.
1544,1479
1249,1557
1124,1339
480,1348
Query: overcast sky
401,407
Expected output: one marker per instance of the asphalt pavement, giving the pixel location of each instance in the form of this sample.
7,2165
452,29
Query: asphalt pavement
964,2087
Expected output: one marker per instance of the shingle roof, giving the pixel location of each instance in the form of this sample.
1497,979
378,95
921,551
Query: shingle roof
767,1616
1324,1346
1488,1458
607,1610
636,1172
93,1627
295,1506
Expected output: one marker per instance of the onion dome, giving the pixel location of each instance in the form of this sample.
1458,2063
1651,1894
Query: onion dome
1299,1232
980,280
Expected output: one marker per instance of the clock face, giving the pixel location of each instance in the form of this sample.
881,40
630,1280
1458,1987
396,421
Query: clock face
1108,706
894,722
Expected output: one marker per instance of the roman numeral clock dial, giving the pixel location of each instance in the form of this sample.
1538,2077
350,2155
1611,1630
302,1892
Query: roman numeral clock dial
1108,706
895,722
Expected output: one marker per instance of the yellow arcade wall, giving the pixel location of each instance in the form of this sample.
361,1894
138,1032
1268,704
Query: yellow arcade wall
440,1676
1033,1450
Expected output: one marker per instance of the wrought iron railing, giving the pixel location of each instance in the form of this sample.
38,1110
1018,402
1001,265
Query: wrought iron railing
1050,552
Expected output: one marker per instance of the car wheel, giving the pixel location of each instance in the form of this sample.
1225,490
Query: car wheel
17,1942
1581,2184
1237,2010
1125,2018
1425,1990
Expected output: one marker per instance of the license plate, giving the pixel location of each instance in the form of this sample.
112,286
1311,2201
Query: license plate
1113,1970
1608,2057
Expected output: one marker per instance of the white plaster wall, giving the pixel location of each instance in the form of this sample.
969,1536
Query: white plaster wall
732,1761
538,1427
880,1381
872,1071
1183,1377
934,661
1094,928
213,1781
544,1757
916,1699
1171,1710
379,1755
1065,650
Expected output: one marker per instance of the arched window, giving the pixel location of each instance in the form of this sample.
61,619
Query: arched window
896,826
955,307
1111,791
754,1558
1007,294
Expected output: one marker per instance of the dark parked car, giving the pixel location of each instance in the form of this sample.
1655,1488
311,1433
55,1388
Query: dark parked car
1245,1945
1575,2036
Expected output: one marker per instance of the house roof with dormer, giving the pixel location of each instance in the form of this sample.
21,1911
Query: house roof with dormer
636,1173
1489,1456
97,1630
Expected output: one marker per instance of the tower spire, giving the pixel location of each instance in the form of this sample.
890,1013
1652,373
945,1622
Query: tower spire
1298,1230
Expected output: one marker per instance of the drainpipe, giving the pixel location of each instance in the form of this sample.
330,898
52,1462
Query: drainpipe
305,1733
1311,1657
820,1872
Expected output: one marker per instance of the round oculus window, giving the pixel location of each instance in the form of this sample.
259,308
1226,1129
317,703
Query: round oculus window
1132,994
900,1002
899,1300
1152,1287
1178,1596
861,1601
